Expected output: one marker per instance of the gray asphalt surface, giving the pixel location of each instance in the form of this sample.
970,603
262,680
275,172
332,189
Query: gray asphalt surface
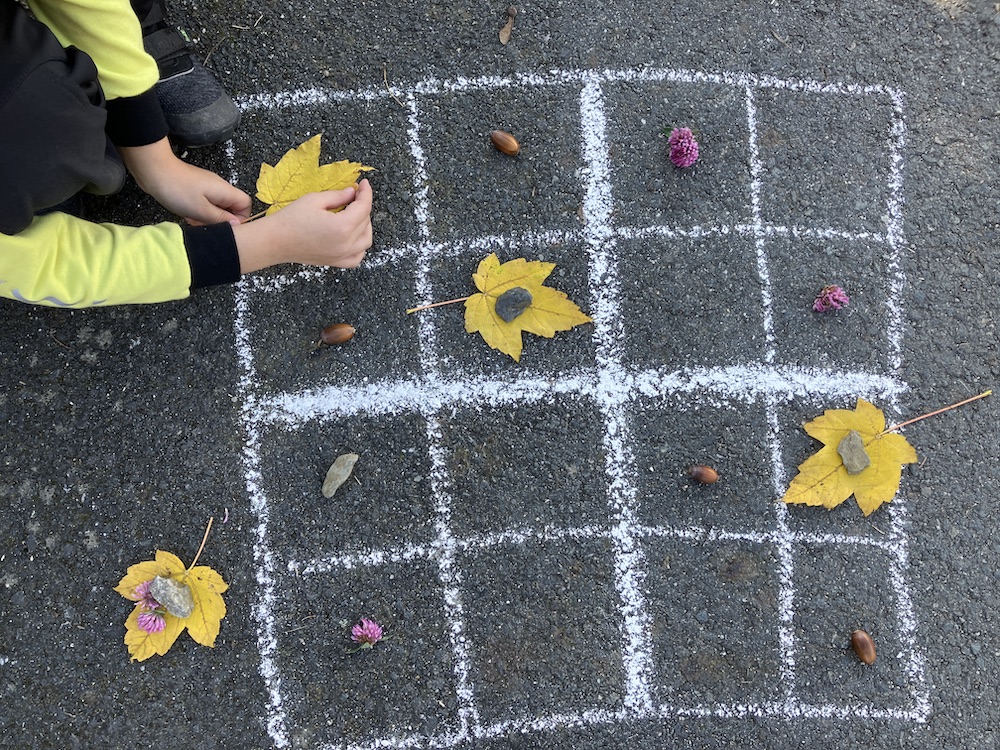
491,534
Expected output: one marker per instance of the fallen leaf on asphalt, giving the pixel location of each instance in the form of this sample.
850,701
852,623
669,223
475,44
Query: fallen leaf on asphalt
859,457
513,299
339,473
162,628
299,172
508,27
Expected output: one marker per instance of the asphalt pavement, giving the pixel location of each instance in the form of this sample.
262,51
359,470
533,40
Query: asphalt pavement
546,574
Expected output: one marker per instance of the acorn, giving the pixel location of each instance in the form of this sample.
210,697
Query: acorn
703,474
335,334
505,142
863,646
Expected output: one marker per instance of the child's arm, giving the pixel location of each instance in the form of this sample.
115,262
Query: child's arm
63,261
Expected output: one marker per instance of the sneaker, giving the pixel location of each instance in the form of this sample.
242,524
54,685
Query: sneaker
198,111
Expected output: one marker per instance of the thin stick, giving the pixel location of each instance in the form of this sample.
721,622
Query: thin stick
984,394
255,216
436,304
203,540
385,77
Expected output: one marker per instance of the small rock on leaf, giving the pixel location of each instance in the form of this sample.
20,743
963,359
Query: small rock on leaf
512,303
175,596
338,473
852,451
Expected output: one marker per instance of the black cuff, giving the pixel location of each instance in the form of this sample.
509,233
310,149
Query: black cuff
212,255
136,120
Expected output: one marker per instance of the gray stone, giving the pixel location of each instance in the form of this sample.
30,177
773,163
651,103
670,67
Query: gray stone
512,303
852,450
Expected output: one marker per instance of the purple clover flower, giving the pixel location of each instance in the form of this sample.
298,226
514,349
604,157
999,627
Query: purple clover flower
151,621
683,147
145,599
831,297
366,633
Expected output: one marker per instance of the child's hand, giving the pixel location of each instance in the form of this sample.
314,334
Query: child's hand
200,196
307,232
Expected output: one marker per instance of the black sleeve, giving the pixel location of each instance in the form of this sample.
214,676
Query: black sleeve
212,254
136,120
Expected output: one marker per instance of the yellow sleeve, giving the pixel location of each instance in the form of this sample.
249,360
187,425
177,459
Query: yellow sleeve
63,261
108,31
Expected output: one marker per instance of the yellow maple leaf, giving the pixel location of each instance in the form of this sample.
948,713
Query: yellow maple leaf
206,587
298,172
823,478
548,311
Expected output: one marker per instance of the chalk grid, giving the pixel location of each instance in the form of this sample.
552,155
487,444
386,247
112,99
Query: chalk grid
614,387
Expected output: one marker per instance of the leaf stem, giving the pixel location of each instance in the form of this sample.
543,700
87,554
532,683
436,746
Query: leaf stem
437,304
255,216
984,394
203,540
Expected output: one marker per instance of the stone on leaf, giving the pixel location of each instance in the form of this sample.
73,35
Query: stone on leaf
173,595
852,451
512,303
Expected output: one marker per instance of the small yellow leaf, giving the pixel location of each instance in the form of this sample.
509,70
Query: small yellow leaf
298,173
203,624
824,480
549,311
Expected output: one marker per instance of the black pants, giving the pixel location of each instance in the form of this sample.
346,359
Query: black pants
52,139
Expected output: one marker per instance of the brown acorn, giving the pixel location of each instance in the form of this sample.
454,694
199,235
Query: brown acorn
335,334
505,142
703,474
863,646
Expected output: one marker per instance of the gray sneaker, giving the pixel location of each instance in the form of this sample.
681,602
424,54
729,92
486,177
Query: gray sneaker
198,111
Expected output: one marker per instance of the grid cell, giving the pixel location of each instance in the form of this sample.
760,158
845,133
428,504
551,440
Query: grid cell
488,460
715,610
843,587
386,502
696,302
543,623
473,188
390,689
799,186
648,189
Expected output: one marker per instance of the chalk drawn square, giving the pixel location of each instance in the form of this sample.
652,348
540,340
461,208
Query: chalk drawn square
647,188
373,132
405,684
521,466
729,436
691,302
287,311
841,587
825,159
796,446
855,337
473,189
385,503
467,354
544,628
714,606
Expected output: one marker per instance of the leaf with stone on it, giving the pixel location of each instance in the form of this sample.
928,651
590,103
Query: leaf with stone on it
859,457
196,591
299,172
512,299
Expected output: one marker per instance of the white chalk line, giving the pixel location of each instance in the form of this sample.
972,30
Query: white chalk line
448,572
473,247
786,560
433,86
372,557
746,384
597,717
607,389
